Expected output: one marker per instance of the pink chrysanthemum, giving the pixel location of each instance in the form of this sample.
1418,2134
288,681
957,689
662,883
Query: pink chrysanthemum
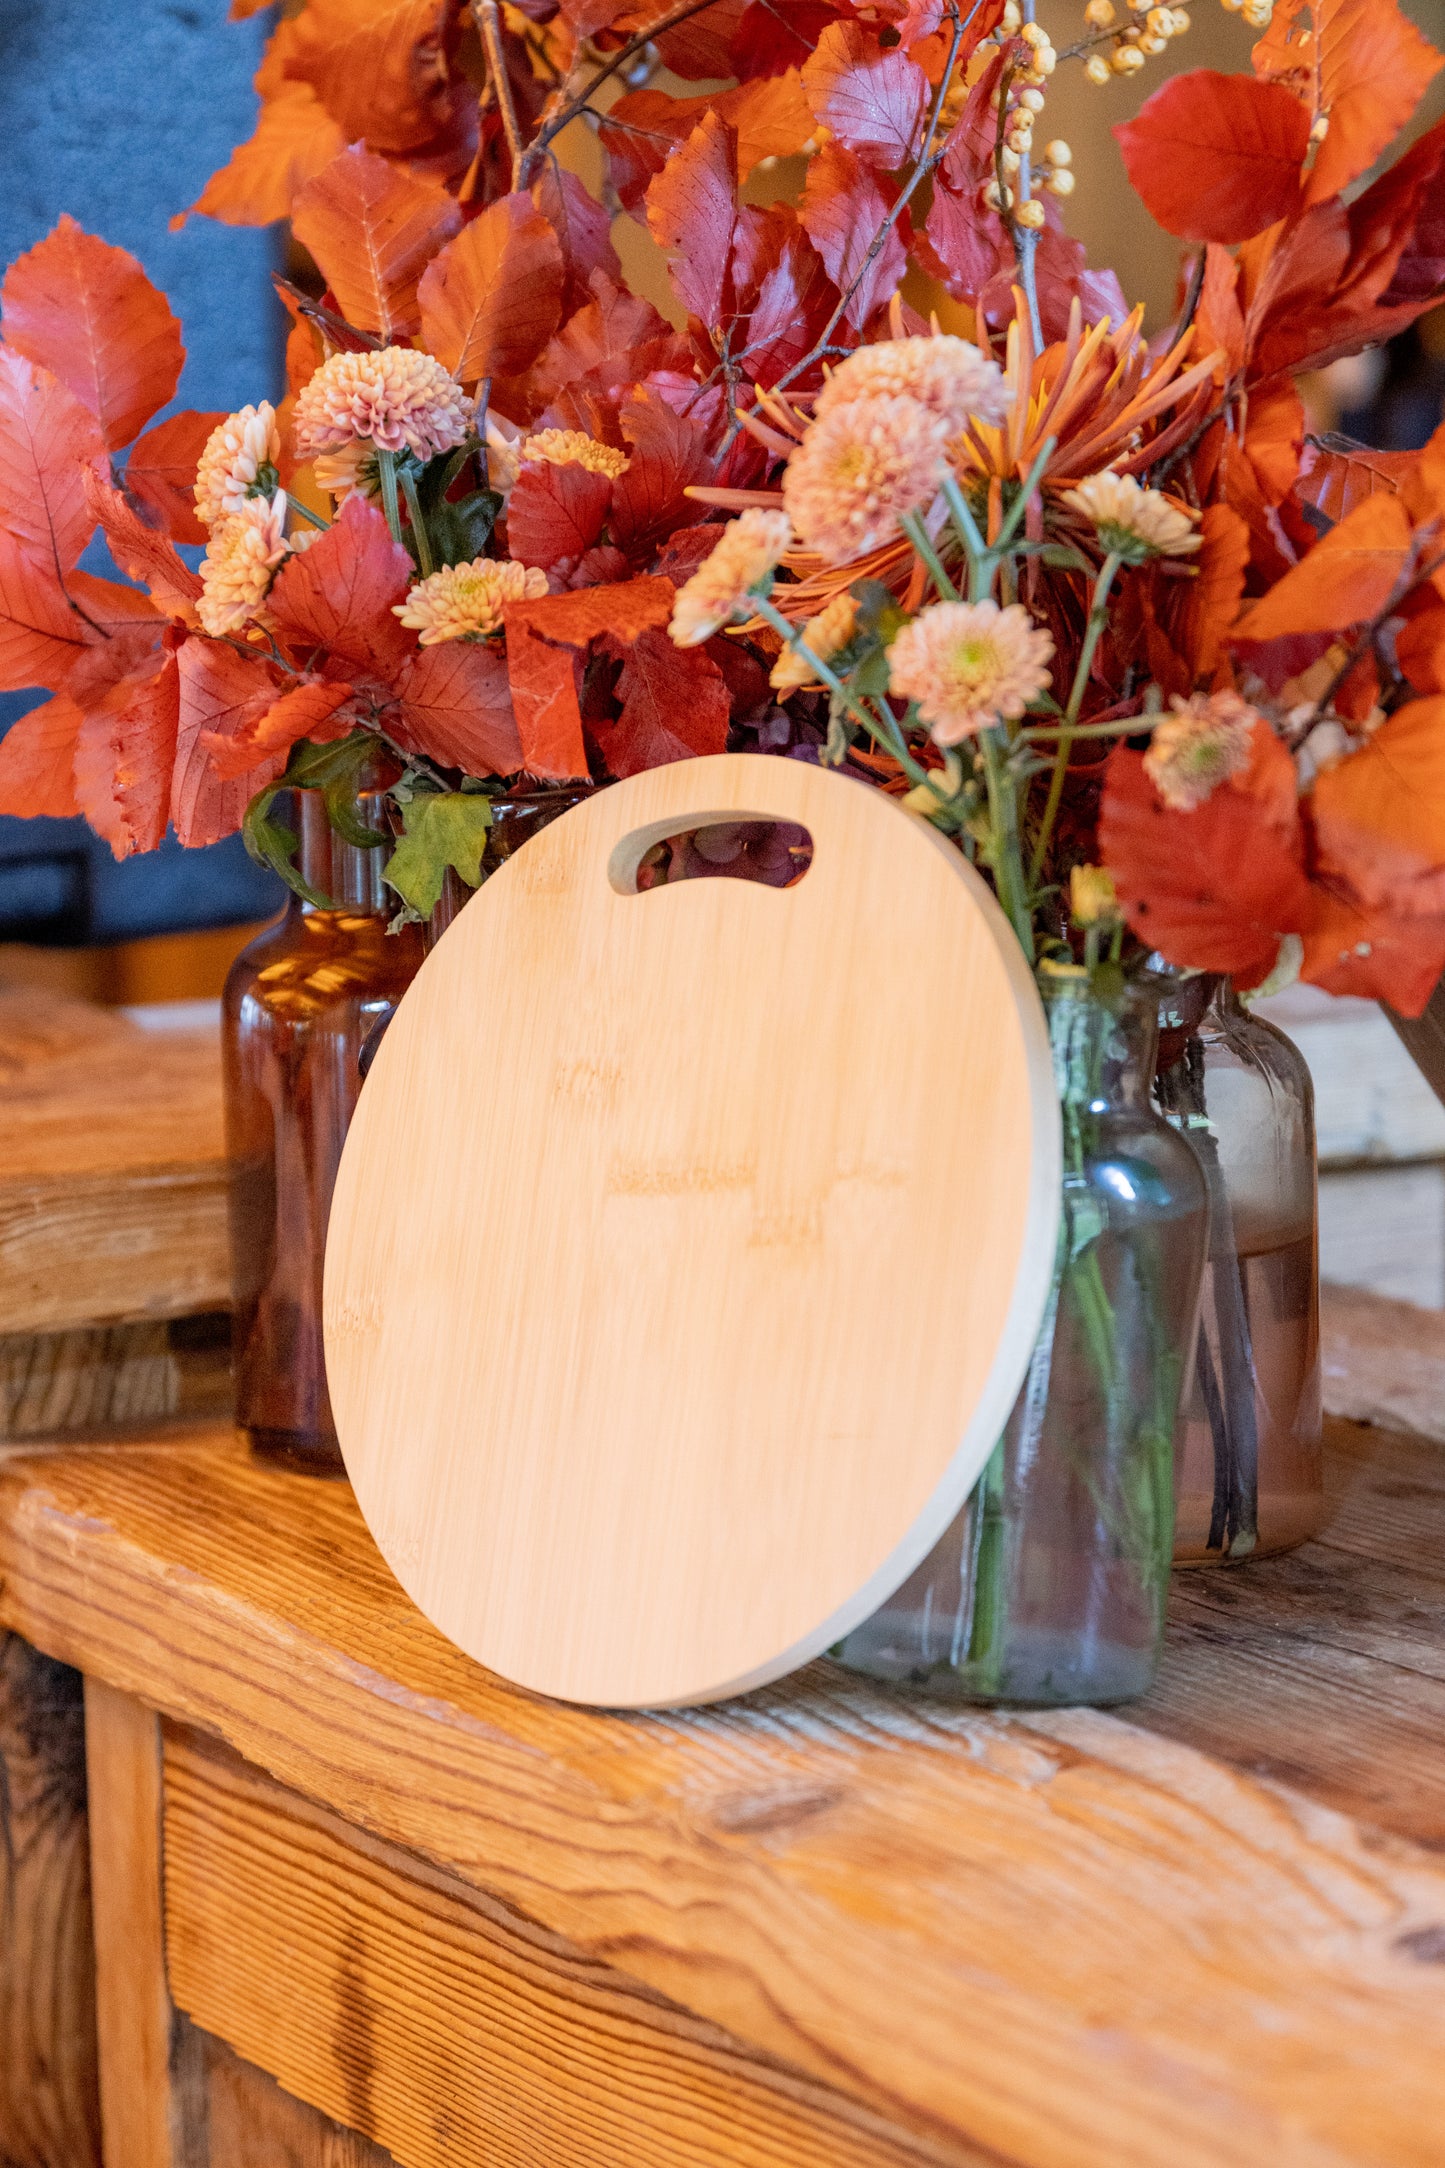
861,468
348,473
1201,745
949,376
967,664
399,400
465,602
236,451
746,555
240,562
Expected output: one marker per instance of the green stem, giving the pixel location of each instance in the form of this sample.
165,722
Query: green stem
1098,618
386,468
1020,504
304,511
418,524
975,549
1006,857
917,533
897,746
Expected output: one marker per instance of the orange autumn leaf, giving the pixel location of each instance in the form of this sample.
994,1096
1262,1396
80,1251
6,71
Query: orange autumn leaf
126,746
142,553
222,694
46,439
161,472
1373,954
1216,157
456,707
1360,67
86,311
1211,599
1274,438
1379,814
546,640
339,594
379,67
493,297
295,138
308,710
1420,647
37,760
372,229
40,634
108,607
1347,578
1335,476
1215,888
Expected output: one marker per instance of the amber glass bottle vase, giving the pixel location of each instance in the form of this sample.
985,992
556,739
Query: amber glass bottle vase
298,1004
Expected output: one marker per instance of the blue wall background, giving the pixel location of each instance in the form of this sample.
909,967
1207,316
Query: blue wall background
118,115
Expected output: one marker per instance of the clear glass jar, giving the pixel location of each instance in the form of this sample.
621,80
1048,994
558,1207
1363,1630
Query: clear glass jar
1249,1475
298,1003
1050,1586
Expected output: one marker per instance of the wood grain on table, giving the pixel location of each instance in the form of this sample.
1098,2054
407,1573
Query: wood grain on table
1209,1930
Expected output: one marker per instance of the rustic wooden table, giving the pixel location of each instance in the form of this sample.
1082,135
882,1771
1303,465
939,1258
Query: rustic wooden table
354,1899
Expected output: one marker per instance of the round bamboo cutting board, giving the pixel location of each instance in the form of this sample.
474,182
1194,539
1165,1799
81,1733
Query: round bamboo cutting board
689,1246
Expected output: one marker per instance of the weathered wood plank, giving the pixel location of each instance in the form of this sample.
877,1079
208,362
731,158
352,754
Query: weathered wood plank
1384,1362
1015,1933
378,1989
113,1183
106,1377
49,2106
251,2123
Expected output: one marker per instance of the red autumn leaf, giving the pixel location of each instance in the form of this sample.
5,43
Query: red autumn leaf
372,229
46,439
668,454
88,313
141,553
574,620
1212,598
692,213
37,760
607,346
456,707
125,752
1334,478
339,594
682,553
844,206
1410,199
794,301
583,230
1358,65
774,35
872,99
295,139
491,300
1373,955
1214,889
771,118
161,472
40,634
701,46
222,694
675,705
1379,814
308,710
1420,648
1217,157
109,608
1347,577
1274,439
555,513
543,676
381,68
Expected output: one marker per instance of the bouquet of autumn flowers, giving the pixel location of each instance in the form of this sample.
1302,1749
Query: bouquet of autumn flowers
1097,601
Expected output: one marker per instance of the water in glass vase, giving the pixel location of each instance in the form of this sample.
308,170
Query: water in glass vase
1050,1586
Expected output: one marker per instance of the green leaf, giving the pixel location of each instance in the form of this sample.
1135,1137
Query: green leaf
332,769
1059,557
443,828
879,613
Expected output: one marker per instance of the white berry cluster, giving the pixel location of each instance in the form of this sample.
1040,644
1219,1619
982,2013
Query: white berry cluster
1019,102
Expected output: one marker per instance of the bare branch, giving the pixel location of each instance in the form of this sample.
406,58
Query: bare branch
488,18
554,124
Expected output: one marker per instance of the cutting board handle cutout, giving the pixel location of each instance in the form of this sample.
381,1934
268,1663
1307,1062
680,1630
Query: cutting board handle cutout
624,866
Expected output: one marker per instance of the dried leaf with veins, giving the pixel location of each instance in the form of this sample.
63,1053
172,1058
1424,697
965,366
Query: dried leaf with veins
87,312
372,229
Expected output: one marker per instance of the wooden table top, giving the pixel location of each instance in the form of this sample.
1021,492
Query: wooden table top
1209,1929
113,1172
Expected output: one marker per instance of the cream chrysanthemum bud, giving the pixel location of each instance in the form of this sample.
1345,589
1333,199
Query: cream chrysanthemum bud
240,562
949,376
236,451
1093,899
861,468
742,563
465,602
398,399
1133,522
969,663
352,472
572,448
1204,742
831,629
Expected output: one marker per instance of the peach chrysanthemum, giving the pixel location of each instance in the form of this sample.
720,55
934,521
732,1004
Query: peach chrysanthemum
465,602
744,558
349,472
1204,742
573,448
831,629
861,468
967,664
236,450
1131,521
949,376
241,557
399,400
